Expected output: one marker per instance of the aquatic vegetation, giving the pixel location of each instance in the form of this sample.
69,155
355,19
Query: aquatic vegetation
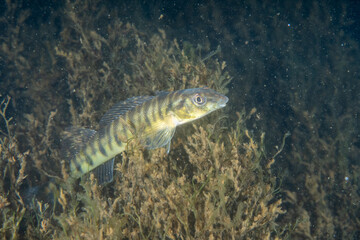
12,174
211,191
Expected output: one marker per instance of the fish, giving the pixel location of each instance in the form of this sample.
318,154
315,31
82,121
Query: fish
151,120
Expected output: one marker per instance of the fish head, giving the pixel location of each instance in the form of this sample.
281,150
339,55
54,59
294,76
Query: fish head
192,104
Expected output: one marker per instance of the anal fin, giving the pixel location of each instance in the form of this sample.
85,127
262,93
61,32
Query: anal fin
105,172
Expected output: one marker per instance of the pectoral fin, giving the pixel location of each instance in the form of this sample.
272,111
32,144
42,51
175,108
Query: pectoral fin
159,139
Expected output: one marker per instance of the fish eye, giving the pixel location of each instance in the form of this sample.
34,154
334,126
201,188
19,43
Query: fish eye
199,100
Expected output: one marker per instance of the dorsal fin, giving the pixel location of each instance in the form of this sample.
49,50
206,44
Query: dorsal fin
73,139
161,93
121,108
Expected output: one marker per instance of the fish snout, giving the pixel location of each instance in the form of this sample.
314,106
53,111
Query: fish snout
223,100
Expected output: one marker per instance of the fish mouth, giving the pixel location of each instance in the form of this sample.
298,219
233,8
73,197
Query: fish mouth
223,101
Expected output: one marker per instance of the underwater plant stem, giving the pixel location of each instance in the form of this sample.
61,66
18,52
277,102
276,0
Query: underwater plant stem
137,221
4,104
282,144
16,225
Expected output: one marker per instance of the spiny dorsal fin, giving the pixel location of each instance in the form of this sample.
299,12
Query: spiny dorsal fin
161,93
121,108
73,139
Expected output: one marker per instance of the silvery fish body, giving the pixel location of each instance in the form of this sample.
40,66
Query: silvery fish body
150,119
